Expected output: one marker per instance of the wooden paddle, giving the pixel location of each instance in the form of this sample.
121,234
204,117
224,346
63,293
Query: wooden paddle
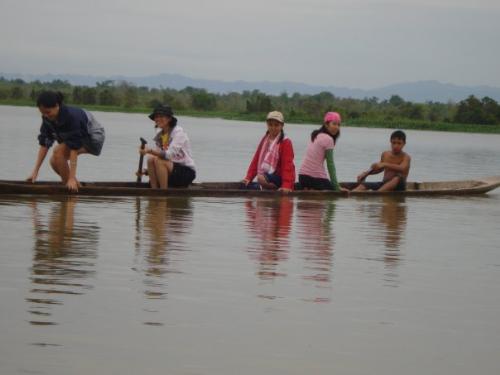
141,161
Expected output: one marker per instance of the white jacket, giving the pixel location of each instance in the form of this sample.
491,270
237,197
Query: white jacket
179,147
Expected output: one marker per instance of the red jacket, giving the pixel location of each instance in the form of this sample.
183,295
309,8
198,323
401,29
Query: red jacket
285,168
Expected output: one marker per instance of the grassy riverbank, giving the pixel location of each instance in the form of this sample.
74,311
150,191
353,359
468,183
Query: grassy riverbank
299,119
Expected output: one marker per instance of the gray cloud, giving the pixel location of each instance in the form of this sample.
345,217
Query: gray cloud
356,43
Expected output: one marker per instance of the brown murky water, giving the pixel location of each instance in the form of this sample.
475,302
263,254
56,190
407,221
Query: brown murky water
272,286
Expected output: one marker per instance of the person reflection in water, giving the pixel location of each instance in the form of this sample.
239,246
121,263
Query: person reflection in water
63,257
393,214
161,227
388,218
314,227
270,222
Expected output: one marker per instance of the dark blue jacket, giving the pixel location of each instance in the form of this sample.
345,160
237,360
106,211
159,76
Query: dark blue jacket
70,128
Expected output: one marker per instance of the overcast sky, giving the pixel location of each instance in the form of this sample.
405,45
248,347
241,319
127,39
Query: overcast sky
351,43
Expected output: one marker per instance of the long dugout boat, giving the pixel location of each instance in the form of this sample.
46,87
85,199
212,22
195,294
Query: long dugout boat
233,189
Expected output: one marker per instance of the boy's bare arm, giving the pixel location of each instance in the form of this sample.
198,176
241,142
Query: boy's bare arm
374,169
402,167
379,167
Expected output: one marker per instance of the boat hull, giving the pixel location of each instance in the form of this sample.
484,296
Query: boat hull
232,189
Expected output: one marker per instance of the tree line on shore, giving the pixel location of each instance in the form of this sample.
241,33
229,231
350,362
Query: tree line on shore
252,104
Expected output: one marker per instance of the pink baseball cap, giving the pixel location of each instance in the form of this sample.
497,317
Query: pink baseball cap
332,116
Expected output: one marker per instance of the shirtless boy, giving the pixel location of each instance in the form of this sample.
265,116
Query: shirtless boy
395,163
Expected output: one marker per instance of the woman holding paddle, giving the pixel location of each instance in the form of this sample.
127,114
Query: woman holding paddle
76,131
170,163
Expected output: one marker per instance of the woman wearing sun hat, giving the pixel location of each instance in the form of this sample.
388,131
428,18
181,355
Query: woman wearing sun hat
170,162
272,162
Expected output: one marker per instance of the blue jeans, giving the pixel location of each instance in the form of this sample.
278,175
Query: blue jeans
273,179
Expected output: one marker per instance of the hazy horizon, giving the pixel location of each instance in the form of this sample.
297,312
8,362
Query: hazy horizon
361,44
105,76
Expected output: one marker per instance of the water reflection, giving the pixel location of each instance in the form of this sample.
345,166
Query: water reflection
63,257
315,230
270,224
388,219
393,216
161,225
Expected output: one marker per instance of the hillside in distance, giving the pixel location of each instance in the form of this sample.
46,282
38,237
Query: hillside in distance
420,91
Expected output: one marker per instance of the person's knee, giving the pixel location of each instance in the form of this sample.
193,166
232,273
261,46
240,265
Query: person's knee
391,184
360,187
57,157
395,180
61,152
53,159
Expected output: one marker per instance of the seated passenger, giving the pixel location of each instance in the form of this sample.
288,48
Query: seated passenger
394,162
272,162
170,163
312,174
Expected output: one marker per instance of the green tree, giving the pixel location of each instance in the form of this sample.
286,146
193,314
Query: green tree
178,100
259,103
107,96
89,95
204,101
16,93
470,111
491,110
412,111
4,94
396,101
77,95
130,97
33,94
104,84
154,103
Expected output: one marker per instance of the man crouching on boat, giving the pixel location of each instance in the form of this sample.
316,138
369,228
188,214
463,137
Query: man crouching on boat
170,163
394,162
76,131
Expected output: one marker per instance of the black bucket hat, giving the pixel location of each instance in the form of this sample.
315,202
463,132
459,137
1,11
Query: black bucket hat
164,110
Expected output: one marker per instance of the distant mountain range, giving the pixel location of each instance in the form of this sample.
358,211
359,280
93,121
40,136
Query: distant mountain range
420,91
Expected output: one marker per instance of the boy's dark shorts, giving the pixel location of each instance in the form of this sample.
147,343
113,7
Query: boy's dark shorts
401,186
314,183
181,176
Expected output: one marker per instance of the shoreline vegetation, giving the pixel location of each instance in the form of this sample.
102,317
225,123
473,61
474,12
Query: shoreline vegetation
471,115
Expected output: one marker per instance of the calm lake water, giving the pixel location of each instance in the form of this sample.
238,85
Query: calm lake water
249,286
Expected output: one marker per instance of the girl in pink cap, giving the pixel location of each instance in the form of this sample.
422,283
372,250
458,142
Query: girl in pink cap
312,173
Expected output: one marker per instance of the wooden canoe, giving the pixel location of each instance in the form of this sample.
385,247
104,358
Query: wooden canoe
232,189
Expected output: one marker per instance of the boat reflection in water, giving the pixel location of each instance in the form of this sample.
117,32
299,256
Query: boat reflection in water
161,225
64,257
269,221
315,231
387,218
